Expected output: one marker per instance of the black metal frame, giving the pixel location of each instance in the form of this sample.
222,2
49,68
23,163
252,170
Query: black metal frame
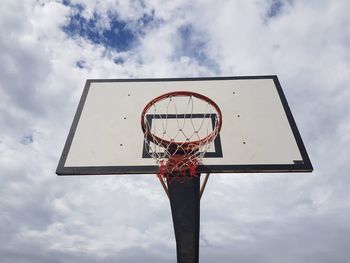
303,165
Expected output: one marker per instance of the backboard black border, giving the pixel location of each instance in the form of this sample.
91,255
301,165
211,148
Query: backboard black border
303,165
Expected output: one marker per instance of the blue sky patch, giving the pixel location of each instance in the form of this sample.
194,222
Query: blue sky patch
192,45
27,139
275,8
118,60
118,36
80,64
77,7
148,20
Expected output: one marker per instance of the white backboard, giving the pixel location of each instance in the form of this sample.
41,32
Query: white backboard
258,131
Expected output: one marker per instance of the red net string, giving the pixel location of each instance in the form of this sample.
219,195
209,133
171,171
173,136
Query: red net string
178,167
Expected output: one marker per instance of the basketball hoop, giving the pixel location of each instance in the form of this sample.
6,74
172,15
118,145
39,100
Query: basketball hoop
179,128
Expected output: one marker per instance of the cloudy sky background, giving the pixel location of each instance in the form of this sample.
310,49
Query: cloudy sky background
48,50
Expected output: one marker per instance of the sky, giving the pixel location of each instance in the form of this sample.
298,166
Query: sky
49,49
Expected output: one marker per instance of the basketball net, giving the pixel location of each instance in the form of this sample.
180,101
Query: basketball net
179,129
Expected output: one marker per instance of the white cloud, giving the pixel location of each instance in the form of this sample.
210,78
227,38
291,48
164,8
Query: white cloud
270,218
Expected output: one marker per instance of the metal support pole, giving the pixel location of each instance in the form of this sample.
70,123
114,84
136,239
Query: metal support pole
203,185
164,186
185,209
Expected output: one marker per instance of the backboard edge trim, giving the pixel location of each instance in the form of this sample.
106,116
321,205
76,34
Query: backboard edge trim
73,128
293,124
118,170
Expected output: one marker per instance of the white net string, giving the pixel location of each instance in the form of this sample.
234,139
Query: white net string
179,132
